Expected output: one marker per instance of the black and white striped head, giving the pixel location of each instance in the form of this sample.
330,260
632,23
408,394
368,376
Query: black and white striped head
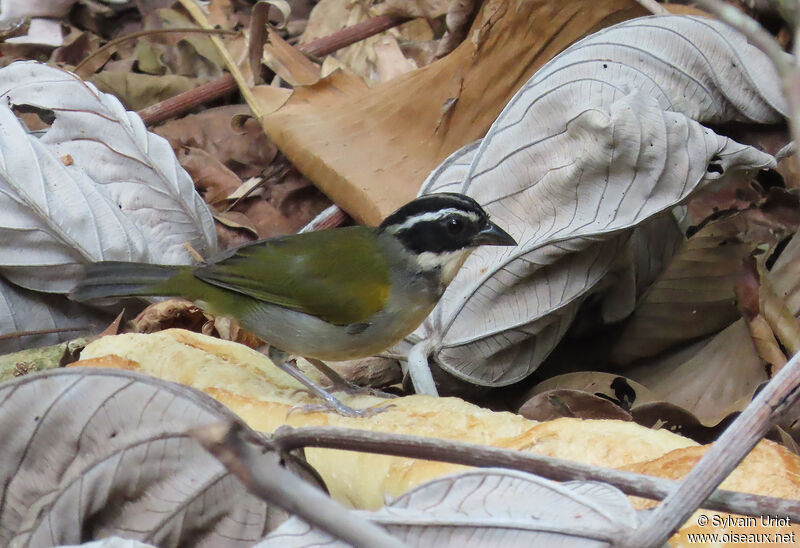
441,230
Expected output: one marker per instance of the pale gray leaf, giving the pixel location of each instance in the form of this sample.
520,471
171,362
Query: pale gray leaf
604,138
91,453
23,310
489,507
96,185
111,542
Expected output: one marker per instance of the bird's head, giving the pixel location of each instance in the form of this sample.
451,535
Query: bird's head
440,230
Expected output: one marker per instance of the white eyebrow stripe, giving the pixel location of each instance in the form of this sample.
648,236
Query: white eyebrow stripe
433,216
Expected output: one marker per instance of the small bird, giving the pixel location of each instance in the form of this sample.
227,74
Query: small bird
337,294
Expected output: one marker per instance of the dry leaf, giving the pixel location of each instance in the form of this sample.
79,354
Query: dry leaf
262,394
711,379
595,394
121,437
240,221
23,310
111,542
390,62
569,170
694,295
137,91
719,375
749,298
170,313
124,197
490,507
382,162
428,9
561,402
42,32
288,62
14,9
211,178
361,58
245,149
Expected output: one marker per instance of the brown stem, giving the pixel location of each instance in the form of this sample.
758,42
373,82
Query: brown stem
286,439
183,102
350,35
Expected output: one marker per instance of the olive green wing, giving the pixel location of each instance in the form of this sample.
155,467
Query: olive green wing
339,275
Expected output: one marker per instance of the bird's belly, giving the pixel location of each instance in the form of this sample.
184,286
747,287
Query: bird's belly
304,335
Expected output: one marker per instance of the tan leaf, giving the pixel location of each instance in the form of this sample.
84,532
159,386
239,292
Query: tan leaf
244,149
554,404
288,62
428,9
211,178
391,144
235,219
694,296
167,314
390,61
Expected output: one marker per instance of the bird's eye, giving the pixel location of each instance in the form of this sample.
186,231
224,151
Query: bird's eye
455,225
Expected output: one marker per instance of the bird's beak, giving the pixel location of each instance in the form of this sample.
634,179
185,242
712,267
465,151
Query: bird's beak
493,235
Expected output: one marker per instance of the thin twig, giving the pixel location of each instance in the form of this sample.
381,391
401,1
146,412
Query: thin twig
20,334
183,102
149,32
470,454
263,475
330,217
728,451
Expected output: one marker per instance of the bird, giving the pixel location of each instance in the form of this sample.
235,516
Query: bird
337,294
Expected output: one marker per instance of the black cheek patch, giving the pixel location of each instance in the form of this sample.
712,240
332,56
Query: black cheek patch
432,237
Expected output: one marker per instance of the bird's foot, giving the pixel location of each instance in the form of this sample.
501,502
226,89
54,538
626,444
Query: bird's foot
330,403
341,409
355,390
340,384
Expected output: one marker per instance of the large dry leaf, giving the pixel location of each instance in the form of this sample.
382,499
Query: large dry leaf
694,296
24,311
78,443
719,375
711,379
111,542
95,185
487,508
598,142
369,149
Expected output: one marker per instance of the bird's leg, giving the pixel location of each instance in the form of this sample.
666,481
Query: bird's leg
331,403
340,383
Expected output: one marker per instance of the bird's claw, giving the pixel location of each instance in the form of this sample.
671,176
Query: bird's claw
348,388
353,389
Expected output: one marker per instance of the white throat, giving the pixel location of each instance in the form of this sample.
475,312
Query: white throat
448,262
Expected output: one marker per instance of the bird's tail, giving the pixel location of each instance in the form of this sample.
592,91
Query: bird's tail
123,279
